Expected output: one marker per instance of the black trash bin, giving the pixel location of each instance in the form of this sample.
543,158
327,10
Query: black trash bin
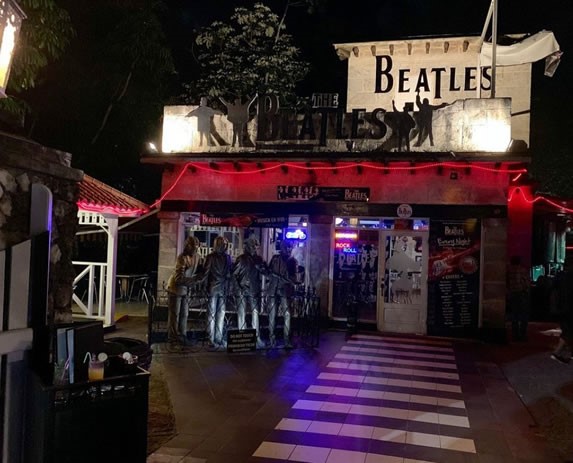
90,421
118,345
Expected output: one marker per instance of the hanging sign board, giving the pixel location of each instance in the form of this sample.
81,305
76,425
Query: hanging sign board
319,193
243,220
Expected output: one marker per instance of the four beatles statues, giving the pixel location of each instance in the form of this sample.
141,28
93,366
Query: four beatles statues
218,276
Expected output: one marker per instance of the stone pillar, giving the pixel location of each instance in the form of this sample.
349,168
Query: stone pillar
494,249
22,163
168,239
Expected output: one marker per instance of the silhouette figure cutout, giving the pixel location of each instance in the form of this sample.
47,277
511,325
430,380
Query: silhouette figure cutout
404,124
424,117
204,115
238,115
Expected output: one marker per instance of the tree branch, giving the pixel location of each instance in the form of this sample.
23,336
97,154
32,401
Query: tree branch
112,104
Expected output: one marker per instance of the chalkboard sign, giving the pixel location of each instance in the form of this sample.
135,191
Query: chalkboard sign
241,341
454,277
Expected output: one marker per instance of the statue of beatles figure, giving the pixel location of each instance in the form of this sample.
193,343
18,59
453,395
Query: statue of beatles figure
282,278
217,278
248,269
187,273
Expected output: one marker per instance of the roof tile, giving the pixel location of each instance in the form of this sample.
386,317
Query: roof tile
96,196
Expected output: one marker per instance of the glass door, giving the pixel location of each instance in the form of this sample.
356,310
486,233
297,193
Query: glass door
403,283
355,273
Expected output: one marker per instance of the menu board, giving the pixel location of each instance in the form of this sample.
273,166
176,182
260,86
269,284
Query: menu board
454,277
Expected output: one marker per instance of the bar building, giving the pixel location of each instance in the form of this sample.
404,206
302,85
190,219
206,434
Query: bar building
397,199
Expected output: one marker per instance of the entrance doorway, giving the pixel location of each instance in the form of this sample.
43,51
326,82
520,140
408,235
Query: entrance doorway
402,306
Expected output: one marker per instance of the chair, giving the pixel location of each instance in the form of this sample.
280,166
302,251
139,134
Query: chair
139,286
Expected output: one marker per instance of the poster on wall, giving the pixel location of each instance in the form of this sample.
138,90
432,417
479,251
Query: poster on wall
454,277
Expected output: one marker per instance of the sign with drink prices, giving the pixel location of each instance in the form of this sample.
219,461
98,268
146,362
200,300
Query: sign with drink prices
454,277
241,341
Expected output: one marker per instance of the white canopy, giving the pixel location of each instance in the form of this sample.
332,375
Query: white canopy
529,50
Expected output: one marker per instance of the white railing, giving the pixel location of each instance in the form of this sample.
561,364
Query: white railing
94,274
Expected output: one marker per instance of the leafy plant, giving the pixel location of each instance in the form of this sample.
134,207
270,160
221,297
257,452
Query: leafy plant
249,54
45,34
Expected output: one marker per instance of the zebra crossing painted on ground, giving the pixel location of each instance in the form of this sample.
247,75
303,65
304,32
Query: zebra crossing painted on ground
379,400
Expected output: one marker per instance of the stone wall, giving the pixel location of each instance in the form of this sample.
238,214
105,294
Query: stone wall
23,163
168,229
420,61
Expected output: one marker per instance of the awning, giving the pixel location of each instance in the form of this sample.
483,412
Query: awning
96,196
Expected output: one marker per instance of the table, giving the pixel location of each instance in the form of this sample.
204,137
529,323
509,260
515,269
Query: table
126,282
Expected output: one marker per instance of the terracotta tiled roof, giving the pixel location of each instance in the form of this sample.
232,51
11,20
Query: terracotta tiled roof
96,196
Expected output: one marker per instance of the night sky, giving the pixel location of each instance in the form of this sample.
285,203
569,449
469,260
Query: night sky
364,20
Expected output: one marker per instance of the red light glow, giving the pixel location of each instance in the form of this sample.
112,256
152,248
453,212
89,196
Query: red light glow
408,167
522,196
102,209
346,235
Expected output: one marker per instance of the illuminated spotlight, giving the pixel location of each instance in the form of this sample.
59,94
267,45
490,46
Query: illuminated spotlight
151,147
490,135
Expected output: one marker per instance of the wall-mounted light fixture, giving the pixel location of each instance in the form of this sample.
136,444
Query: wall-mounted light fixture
11,16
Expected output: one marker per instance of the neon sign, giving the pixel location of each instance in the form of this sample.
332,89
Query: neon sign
346,235
346,248
295,234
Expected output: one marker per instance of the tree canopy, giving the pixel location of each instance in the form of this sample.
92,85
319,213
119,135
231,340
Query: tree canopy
249,54
101,97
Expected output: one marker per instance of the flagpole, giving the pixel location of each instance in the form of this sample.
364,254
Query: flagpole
480,45
493,48
491,13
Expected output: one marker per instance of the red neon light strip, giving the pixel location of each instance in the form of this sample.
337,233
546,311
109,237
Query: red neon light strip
537,198
353,165
347,166
85,206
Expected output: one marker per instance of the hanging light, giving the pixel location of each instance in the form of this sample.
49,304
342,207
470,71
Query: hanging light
11,16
